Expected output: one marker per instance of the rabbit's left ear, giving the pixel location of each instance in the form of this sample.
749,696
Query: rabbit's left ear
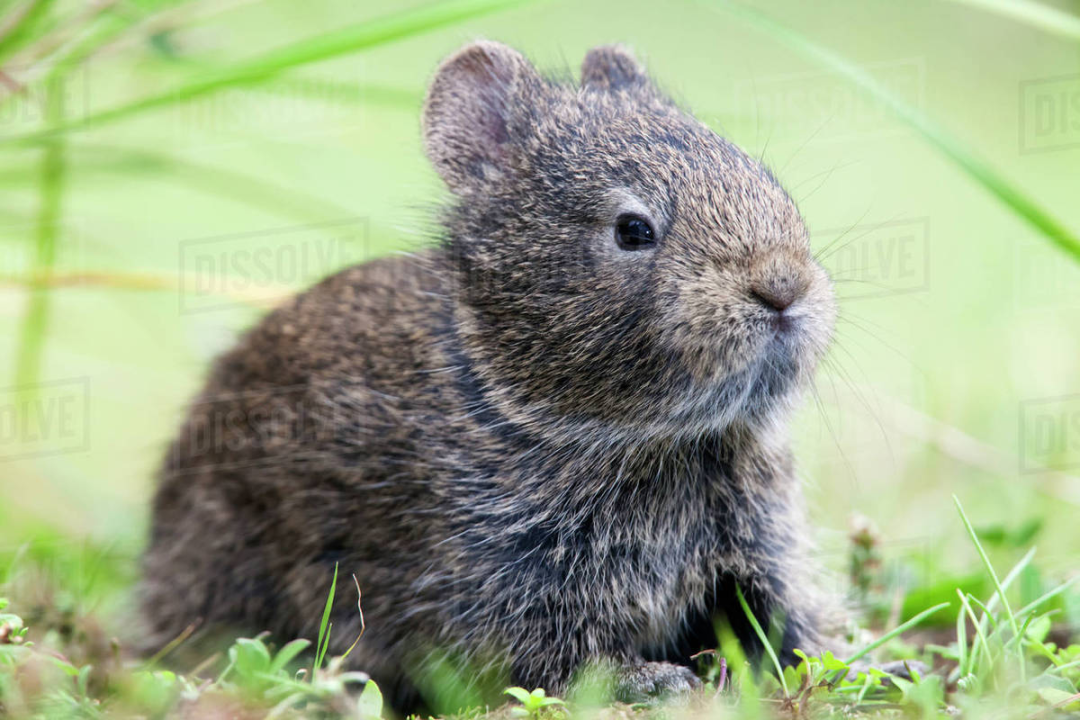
468,112
612,67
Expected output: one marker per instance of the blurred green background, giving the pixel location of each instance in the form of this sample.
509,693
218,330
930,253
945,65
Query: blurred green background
125,240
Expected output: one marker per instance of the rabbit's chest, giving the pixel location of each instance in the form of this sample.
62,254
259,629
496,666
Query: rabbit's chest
666,566
652,575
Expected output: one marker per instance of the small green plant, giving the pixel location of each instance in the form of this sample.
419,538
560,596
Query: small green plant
328,685
255,667
1008,652
41,681
257,673
865,561
12,630
532,703
1001,656
1005,650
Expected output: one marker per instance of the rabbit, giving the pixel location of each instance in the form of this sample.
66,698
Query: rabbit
555,440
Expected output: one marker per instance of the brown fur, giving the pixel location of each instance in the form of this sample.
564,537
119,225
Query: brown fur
534,449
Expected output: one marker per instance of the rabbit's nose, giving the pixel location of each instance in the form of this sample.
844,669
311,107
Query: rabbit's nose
778,293
778,298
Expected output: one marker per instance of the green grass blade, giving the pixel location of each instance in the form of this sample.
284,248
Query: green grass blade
324,625
215,180
982,625
1011,196
55,56
764,640
35,320
1047,597
961,637
1013,574
348,40
1064,666
19,26
326,647
987,612
988,565
1016,640
366,93
980,638
287,654
319,88
112,23
903,627
1043,17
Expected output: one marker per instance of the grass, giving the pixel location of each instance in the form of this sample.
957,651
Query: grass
999,645
995,657
1019,202
386,29
49,218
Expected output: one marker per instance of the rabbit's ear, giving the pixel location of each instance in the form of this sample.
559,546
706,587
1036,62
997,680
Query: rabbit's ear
467,113
612,67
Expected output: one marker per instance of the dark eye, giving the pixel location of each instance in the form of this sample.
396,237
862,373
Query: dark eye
634,233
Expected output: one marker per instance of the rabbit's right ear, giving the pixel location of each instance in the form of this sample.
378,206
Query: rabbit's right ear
612,67
467,113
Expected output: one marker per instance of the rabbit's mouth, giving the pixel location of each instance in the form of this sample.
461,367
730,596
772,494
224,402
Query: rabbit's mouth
781,360
791,342
754,393
777,372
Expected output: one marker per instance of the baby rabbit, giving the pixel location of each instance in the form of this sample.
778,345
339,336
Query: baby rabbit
558,438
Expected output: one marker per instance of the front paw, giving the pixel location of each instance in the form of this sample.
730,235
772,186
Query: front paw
646,681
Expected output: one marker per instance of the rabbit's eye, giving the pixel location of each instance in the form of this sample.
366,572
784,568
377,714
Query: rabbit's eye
634,233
